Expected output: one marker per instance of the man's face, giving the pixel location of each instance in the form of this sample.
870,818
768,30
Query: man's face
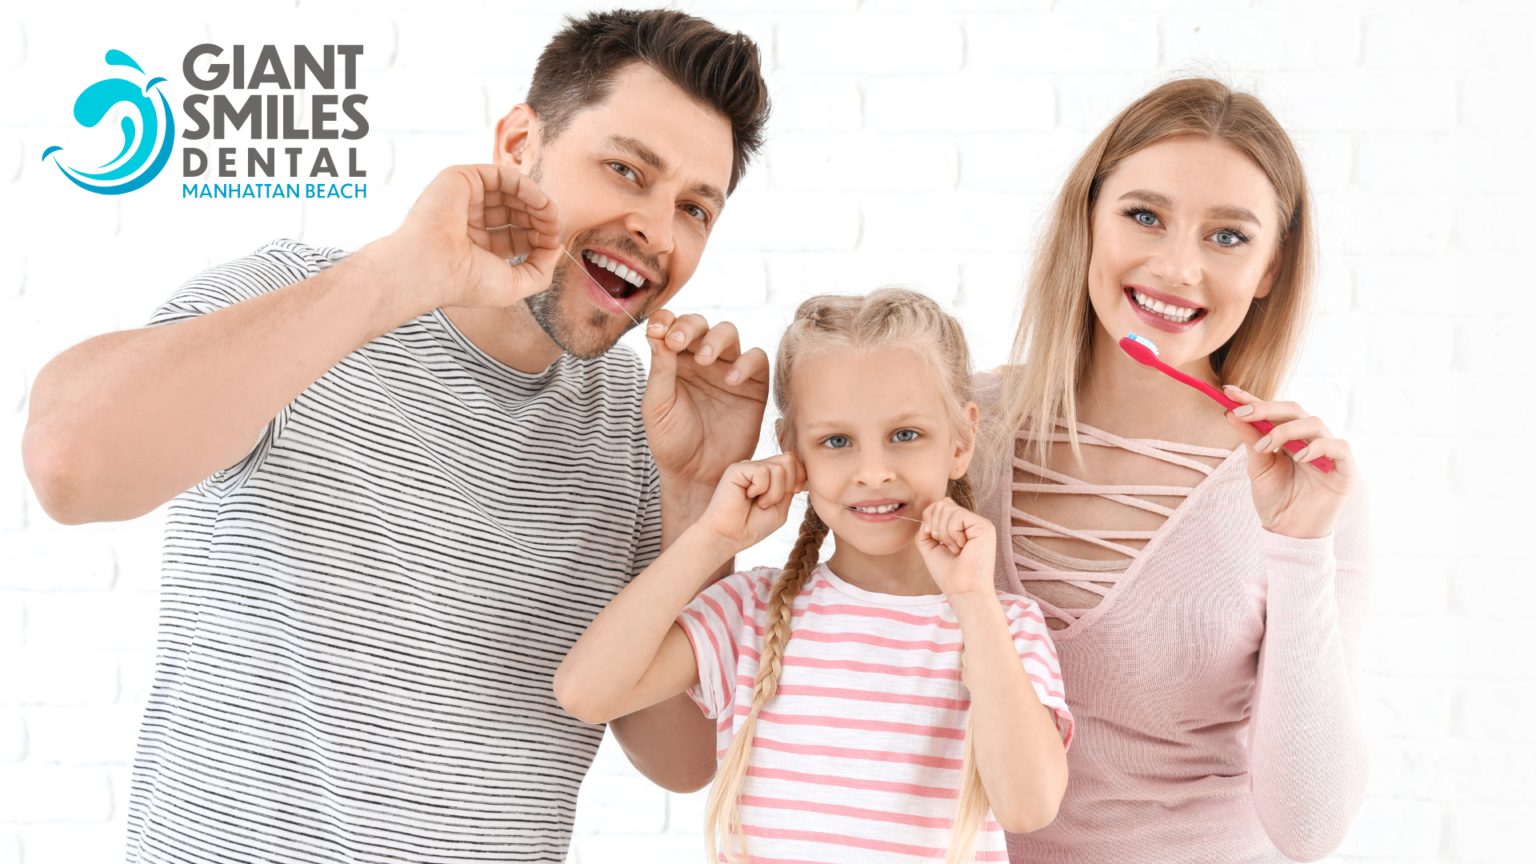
640,180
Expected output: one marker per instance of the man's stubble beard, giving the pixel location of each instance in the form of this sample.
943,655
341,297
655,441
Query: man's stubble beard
587,342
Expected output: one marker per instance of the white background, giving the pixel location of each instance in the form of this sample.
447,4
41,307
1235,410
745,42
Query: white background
912,142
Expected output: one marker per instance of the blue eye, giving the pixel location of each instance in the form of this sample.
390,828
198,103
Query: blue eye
837,442
905,436
1229,238
1143,217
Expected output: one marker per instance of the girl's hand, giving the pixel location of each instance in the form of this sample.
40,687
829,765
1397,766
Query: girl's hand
752,500
958,546
1293,498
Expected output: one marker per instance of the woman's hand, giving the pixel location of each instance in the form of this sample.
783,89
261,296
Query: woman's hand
1293,498
959,547
752,500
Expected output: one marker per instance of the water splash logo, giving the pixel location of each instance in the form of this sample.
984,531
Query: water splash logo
127,170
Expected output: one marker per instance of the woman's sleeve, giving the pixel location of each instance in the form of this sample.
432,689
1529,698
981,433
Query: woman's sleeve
1308,751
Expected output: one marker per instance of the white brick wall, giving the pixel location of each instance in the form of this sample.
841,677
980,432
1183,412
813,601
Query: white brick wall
915,142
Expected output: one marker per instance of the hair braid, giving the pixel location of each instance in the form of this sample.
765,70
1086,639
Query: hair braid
723,821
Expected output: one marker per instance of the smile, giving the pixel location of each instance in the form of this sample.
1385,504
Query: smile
1166,311
614,277
883,508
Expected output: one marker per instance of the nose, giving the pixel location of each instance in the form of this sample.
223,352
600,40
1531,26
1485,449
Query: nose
1178,261
874,469
650,222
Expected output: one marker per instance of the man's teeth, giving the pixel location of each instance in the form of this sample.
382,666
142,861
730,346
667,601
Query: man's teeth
1176,314
883,508
615,268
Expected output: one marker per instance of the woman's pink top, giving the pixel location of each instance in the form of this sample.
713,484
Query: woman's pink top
1214,685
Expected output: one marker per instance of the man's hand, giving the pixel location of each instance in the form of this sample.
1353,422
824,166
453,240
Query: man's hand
704,402
468,222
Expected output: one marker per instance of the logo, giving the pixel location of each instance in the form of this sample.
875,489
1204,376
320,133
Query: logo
147,144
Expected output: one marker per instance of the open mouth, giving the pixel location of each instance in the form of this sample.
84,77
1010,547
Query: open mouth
616,279
1166,311
880,511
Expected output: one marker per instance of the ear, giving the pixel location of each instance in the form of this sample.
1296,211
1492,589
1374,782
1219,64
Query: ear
517,136
965,442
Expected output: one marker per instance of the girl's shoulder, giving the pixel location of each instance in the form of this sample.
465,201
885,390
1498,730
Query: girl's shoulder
744,589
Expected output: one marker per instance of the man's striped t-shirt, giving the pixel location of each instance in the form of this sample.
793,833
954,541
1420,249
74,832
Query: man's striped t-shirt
361,619
857,758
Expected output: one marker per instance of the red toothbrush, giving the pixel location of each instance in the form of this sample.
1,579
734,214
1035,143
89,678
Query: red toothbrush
1144,352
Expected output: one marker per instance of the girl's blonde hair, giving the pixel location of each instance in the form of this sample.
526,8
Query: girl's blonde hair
890,318
1053,344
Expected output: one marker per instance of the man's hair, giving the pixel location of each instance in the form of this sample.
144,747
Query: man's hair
718,69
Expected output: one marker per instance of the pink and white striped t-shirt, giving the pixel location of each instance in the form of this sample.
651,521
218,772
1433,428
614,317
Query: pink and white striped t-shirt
858,756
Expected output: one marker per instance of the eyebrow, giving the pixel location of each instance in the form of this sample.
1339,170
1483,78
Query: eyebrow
1225,211
904,420
645,154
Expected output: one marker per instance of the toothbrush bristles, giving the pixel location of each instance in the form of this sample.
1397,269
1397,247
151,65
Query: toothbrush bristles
1143,340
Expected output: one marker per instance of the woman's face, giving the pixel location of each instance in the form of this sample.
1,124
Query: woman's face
1185,236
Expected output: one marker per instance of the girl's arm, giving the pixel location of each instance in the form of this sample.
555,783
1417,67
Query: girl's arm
1019,751
634,654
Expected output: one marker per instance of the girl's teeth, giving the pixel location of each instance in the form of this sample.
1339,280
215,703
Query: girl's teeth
1176,314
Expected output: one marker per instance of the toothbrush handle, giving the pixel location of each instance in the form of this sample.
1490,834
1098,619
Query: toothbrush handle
1321,463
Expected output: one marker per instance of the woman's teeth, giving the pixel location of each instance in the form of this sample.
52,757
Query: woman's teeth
615,268
883,508
1176,314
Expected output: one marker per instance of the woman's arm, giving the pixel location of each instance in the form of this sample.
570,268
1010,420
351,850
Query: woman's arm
1019,751
1308,758
635,654
1307,744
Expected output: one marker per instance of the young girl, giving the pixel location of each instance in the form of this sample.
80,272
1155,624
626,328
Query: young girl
888,704
1207,589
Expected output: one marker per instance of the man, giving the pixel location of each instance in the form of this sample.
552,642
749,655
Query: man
419,471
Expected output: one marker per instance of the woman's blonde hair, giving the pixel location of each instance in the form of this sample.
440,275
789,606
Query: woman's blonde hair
1052,347
890,318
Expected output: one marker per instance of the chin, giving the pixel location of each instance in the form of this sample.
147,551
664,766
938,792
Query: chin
585,333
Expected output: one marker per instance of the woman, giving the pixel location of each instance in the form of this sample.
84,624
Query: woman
1206,589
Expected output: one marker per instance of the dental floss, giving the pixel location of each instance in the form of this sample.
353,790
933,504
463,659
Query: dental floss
598,284
578,267
908,518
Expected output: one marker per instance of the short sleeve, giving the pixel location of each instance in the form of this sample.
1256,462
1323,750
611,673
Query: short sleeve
715,623
273,266
648,539
1037,651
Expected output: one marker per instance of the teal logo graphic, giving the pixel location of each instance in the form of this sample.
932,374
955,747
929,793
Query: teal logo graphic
146,144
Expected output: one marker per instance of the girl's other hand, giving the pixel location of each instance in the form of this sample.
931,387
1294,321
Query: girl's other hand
752,500
958,546
1293,498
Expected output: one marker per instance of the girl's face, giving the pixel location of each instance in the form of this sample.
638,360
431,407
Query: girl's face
1185,236
874,434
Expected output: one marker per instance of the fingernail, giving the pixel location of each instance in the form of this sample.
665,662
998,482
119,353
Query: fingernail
1242,411
706,351
676,337
1300,454
1231,387
657,329
733,377
1262,445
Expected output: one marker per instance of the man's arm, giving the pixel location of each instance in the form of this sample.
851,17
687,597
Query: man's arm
123,422
703,411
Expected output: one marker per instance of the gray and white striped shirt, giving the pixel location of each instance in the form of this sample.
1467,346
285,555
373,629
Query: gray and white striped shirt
361,619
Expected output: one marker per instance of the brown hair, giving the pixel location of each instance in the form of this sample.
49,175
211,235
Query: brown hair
1053,344
887,318
718,69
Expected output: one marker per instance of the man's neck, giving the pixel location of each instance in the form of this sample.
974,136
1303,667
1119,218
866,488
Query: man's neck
509,335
